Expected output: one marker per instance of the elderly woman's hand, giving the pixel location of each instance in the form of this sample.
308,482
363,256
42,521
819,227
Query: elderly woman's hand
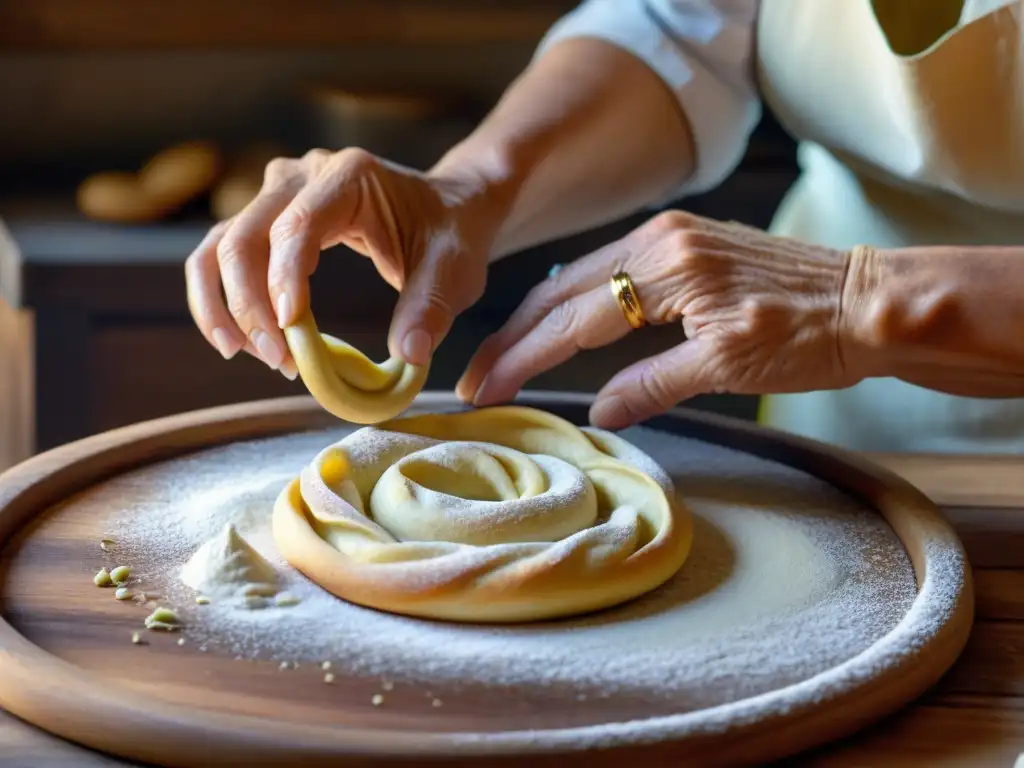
418,230
761,314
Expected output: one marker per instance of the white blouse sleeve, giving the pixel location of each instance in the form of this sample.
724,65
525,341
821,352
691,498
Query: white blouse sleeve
703,50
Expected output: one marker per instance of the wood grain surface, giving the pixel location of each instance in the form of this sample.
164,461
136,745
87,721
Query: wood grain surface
47,595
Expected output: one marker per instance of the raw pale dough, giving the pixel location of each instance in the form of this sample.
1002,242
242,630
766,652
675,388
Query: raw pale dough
345,381
227,567
496,515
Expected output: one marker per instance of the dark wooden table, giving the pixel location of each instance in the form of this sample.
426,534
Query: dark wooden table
975,715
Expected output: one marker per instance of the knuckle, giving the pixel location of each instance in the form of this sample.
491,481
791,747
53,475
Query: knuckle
654,383
293,222
435,302
238,305
688,243
355,160
757,315
280,169
316,157
563,319
669,221
235,249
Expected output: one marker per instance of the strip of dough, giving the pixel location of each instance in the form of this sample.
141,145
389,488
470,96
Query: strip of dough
346,382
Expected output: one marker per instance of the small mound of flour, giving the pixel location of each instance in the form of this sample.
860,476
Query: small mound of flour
226,567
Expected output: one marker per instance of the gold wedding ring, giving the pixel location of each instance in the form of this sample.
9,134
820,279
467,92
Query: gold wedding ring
629,303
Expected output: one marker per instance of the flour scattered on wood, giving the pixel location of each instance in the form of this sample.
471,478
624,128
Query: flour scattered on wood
787,579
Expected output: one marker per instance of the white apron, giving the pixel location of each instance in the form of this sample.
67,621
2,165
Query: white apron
910,115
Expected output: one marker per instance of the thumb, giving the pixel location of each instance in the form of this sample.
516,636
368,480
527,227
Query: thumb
441,286
653,385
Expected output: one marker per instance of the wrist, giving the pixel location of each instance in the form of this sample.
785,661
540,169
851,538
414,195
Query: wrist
483,183
864,307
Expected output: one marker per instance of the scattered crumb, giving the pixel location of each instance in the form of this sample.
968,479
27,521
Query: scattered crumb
181,641
255,602
202,649
377,699
286,600
325,665
436,703
328,678
136,638
163,619
202,600
106,544
581,697
122,593
387,685
102,578
285,665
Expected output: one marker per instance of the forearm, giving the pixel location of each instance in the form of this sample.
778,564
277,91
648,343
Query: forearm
587,134
946,318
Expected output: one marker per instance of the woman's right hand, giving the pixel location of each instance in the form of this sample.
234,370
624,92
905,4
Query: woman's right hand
249,277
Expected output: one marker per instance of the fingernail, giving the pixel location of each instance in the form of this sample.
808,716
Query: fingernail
289,369
610,413
483,396
416,347
284,310
269,351
463,392
222,341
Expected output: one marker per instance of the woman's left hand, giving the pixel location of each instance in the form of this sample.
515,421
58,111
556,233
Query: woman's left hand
761,314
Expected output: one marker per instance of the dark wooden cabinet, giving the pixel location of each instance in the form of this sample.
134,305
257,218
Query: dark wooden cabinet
112,342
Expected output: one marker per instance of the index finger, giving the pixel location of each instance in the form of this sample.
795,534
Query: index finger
587,321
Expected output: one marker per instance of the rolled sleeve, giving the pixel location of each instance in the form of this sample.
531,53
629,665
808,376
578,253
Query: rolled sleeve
702,50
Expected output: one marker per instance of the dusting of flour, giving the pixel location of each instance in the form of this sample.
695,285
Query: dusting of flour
787,578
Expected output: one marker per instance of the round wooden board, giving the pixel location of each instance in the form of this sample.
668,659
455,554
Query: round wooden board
67,667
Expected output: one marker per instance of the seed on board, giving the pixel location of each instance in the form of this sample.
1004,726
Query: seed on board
181,641
136,638
387,685
325,666
121,574
164,619
377,699
436,703
122,593
202,600
328,678
102,578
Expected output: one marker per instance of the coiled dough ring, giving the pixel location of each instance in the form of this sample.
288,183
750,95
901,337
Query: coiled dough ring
346,382
496,515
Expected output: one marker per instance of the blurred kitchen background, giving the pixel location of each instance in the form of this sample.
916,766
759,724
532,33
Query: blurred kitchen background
94,328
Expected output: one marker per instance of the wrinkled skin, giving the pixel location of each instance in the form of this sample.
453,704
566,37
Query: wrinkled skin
761,314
